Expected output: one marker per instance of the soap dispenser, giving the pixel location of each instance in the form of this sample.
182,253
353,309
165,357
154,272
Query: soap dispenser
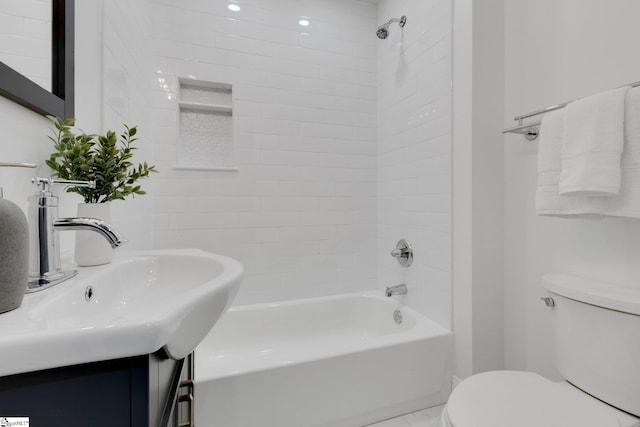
14,251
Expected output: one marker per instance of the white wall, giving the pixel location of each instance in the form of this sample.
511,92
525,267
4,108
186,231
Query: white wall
300,213
555,51
487,179
462,186
414,152
126,99
477,185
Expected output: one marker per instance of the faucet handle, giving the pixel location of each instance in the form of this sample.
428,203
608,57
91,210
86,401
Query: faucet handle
403,253
397,253
45,182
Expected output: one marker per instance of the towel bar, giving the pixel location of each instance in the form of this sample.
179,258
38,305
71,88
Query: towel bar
531,130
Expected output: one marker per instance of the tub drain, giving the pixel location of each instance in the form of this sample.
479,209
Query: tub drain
397,316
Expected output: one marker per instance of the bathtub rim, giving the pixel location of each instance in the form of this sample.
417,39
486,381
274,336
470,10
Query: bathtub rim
424,329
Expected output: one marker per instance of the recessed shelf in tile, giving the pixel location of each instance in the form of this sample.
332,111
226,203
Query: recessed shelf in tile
206,126
205,107
204,92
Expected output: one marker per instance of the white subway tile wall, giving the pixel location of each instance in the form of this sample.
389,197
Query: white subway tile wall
300,213
126,89
25,38
414,151
342,140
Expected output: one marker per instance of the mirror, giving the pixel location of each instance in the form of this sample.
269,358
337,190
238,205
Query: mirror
56,100
25,38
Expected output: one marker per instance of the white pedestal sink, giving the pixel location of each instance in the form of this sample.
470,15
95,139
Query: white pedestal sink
140,303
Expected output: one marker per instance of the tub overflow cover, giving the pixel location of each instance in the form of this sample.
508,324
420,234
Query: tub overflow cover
397,316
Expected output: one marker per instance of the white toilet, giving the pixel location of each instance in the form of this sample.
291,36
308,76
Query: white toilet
597,340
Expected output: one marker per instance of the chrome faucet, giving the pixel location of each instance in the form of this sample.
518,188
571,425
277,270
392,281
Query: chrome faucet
45,268
396,290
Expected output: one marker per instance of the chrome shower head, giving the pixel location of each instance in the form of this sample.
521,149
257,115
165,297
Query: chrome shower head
383,30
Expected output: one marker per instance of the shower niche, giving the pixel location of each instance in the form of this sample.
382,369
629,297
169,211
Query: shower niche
205,140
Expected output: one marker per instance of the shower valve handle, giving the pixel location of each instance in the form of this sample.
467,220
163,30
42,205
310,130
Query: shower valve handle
403,253
398,253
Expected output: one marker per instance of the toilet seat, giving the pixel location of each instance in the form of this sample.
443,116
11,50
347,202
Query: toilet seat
525,399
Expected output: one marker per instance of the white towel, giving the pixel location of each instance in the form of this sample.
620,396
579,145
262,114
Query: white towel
548,200
625,204
592,144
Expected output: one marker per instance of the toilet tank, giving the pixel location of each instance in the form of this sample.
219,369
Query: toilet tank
597,338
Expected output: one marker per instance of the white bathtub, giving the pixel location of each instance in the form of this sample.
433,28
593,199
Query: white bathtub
332,361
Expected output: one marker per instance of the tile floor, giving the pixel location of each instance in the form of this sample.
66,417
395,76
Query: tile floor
425,418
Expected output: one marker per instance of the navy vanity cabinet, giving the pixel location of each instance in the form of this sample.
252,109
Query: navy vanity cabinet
137,391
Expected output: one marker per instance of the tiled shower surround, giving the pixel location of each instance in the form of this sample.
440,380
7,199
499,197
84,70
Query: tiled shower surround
300,212
313,145
414,152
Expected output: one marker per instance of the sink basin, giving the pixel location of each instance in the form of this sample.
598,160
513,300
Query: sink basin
140,303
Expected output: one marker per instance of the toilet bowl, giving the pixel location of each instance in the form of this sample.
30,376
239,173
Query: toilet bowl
525,399
596,328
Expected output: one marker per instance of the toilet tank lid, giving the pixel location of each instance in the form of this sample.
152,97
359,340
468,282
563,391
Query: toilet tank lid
602,294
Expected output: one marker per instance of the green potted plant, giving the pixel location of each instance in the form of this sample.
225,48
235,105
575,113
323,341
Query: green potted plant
105,159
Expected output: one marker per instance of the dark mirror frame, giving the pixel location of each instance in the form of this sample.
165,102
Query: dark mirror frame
58,102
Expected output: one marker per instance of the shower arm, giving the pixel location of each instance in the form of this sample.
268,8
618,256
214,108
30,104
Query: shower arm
400,21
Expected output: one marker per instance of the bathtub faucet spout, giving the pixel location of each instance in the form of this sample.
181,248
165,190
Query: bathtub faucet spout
396,290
